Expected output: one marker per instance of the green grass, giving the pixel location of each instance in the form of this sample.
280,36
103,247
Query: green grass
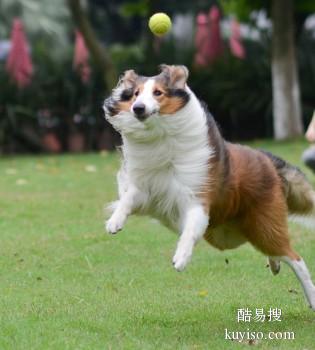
65,284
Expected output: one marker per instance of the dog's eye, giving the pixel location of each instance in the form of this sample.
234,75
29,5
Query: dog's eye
136,92
157,92
126,95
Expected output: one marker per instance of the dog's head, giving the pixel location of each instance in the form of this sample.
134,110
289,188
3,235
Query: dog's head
141,97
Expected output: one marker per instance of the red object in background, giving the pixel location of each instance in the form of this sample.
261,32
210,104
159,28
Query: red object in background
236,45
19,64
51,142
81,58
208,40
216,43
202,40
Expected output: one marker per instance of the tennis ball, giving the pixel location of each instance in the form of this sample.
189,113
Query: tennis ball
160,24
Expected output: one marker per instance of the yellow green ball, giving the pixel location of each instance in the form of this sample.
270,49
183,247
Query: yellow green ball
160,23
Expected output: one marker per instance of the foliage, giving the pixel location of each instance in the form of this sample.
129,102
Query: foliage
46,22
243,8
237,92
56,89
228,83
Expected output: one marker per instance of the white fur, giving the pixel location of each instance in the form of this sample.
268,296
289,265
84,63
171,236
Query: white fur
166,163
195,225
307,221
146,97
301,271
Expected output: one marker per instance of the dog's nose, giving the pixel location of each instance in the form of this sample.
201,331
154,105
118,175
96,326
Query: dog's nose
139,109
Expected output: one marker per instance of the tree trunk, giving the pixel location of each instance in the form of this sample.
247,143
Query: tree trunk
285,84
98,52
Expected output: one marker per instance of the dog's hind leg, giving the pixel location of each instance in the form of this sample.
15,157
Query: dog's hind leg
274,265
296,263
266,228
281,250
300,269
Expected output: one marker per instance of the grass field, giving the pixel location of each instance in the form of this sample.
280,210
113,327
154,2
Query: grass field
65,284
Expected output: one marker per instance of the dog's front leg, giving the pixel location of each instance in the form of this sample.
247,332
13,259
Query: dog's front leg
127,203
195,224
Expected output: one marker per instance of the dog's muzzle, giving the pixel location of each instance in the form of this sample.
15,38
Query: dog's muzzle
139,111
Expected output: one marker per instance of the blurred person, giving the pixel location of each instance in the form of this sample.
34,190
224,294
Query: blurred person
308,155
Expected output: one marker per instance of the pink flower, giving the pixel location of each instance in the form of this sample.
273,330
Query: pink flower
81,58
216,43
19,64
208,40
236,45
202,40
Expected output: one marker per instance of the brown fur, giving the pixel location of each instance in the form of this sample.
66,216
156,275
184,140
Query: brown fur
126,105
250,203
174,76
168,104
170,79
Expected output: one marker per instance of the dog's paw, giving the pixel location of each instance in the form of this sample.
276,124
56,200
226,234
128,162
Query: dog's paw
274,266
113,225
110,208
182,258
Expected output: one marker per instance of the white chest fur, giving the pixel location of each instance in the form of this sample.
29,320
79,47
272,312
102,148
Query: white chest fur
168,162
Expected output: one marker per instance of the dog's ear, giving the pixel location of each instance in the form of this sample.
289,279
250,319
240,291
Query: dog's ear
175,76
128,79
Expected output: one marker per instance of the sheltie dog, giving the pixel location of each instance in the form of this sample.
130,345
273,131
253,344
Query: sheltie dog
178,169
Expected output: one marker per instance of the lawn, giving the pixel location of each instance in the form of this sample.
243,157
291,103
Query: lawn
65,284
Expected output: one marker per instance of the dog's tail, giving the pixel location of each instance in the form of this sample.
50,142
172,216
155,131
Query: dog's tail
299,193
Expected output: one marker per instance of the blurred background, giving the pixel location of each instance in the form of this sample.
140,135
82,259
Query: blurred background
251,61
